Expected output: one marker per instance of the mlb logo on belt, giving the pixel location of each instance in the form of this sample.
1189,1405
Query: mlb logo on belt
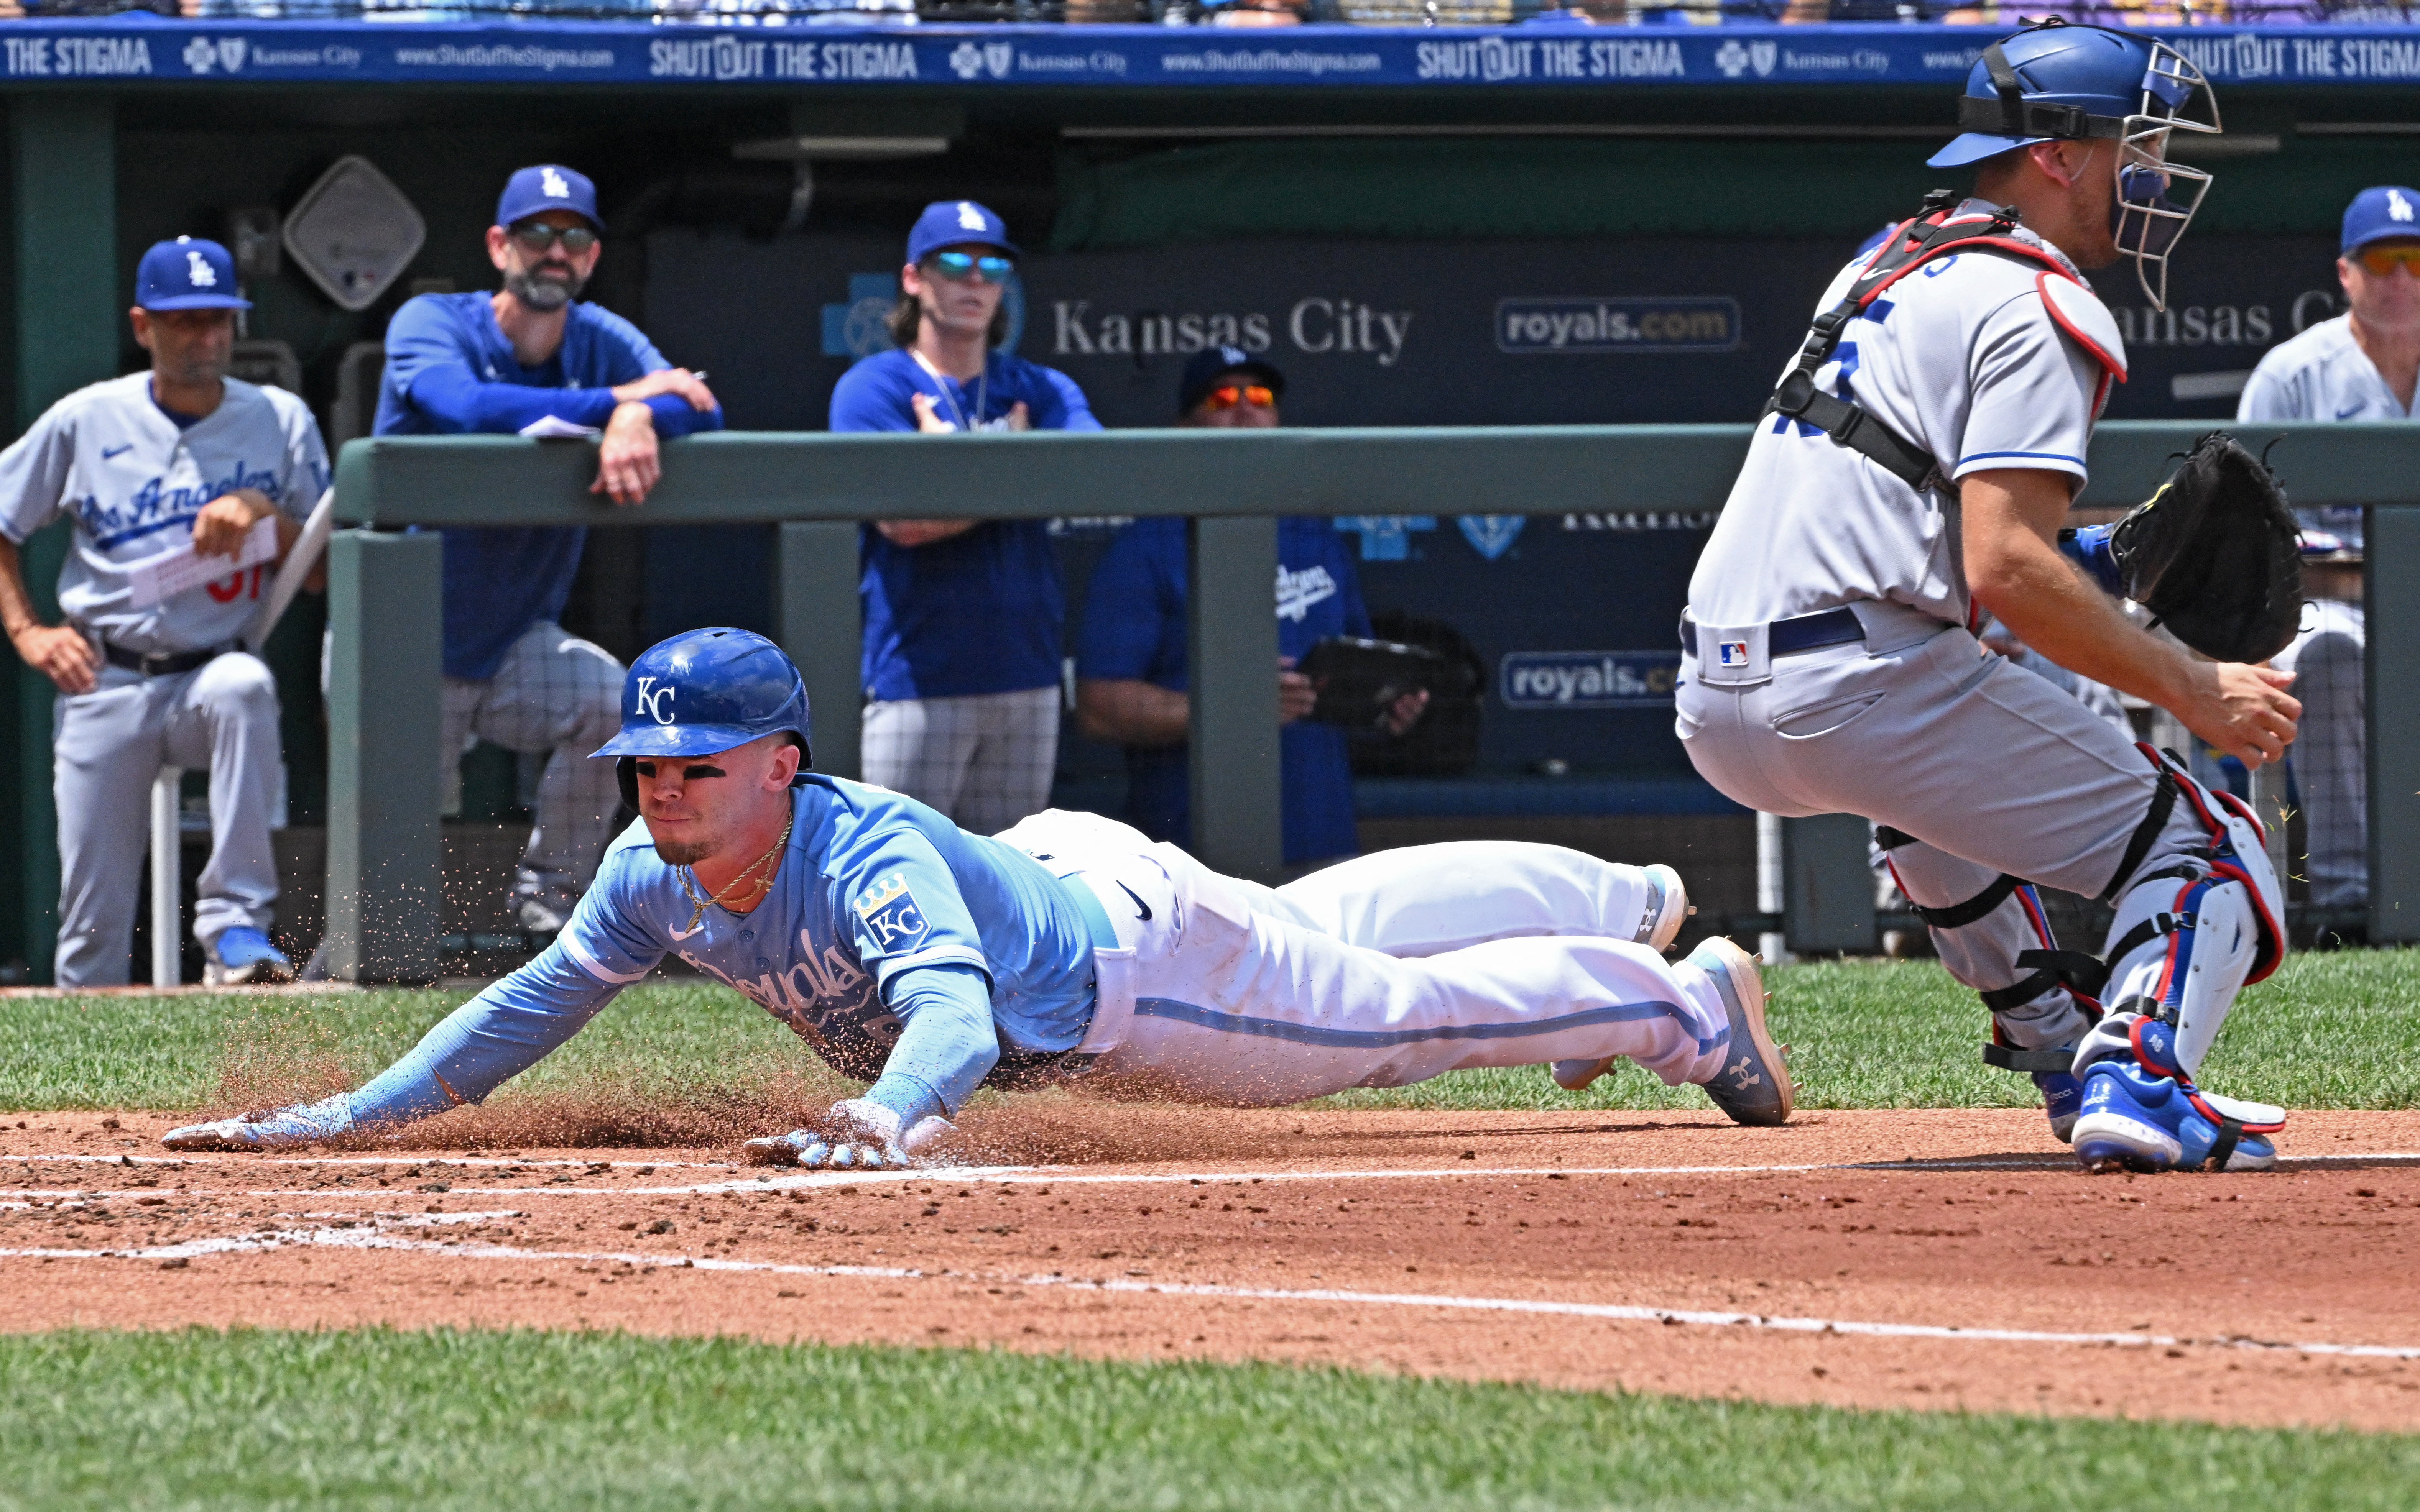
1730,653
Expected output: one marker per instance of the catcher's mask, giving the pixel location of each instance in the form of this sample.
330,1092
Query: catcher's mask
2059,83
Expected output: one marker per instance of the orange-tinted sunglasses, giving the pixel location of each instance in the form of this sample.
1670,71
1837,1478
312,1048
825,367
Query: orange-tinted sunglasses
1228,396
2382,261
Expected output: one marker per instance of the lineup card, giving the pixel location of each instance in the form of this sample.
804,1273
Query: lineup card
154,580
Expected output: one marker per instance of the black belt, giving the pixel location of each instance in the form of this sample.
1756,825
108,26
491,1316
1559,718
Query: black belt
1802,632
158,663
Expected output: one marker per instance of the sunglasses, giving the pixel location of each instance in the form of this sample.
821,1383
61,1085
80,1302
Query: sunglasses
958,267
1228,396
2382,261
537,237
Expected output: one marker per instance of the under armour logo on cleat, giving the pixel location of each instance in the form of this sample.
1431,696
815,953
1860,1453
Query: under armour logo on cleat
1743,1074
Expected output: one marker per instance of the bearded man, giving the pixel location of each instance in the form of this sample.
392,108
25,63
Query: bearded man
531,359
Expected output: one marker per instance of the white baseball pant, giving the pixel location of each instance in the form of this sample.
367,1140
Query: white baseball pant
107,746
1381,972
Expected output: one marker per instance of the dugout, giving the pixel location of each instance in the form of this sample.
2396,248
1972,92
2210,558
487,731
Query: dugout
1425,242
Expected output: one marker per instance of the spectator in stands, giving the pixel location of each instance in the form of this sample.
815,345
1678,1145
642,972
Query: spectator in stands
963,618
2362,366
1130,671
181,456
533,358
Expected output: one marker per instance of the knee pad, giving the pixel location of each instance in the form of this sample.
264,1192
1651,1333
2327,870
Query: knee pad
2188,937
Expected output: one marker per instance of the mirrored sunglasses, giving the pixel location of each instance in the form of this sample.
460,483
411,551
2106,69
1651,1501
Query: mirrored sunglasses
960,266
537,237
2382,261
1228,396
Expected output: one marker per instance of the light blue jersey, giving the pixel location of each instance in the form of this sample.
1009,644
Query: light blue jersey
902,950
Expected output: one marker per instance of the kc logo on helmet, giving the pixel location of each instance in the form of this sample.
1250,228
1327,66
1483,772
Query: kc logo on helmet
653,702
1731,653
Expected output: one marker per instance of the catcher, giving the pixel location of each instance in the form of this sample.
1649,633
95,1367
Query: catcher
1912,470
927,961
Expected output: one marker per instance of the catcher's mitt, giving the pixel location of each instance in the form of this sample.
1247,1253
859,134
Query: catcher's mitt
2214,556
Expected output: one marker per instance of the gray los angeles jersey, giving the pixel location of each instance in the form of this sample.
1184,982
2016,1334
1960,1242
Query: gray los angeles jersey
1984,361
111,458
2320,374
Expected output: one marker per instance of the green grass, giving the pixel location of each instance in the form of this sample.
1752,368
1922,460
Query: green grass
684,1040
2337,1029
426,1421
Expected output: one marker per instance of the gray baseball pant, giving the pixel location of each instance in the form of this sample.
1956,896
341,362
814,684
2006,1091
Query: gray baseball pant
1990,768
107,745
556,693
985,759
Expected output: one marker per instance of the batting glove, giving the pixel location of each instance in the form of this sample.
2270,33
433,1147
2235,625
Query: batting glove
858,1135
302,1124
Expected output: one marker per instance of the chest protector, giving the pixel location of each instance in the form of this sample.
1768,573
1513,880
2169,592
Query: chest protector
1936,232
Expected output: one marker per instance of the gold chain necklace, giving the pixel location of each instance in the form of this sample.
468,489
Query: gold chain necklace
733,885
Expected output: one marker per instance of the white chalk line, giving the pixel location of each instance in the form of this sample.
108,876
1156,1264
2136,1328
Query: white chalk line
375,1239
1077,1176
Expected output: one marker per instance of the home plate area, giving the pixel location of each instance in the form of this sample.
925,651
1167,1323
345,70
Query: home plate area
1947,1259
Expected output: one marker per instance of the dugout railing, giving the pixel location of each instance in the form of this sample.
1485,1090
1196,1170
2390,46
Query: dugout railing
383,882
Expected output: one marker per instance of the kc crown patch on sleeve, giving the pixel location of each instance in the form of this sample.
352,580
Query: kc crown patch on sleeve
891,915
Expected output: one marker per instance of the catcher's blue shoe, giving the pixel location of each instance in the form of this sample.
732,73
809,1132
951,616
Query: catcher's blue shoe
2133,1121
2063,1099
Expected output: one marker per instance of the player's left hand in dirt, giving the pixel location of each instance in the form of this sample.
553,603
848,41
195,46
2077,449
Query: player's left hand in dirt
855,1135
301,1124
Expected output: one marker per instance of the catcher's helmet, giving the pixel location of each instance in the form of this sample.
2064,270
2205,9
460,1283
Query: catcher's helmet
2060,82
705,691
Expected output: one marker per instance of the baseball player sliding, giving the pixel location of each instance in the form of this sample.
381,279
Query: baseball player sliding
929,962
1912,472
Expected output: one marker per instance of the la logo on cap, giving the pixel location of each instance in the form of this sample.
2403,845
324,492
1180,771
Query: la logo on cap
198,270
970,217
554,184
2398,208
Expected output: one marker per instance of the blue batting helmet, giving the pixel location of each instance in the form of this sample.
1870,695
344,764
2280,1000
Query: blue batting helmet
705,691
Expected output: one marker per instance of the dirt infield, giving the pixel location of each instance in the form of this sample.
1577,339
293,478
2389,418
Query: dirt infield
1952,1260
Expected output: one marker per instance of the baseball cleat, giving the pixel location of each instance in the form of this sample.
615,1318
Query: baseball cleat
1668,907
240,954
2135,1122
1753,1084
2063,1099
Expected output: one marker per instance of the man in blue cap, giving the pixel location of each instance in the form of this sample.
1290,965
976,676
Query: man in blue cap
963,618
1130,663
148,465
2361,366
533,359
1912,474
